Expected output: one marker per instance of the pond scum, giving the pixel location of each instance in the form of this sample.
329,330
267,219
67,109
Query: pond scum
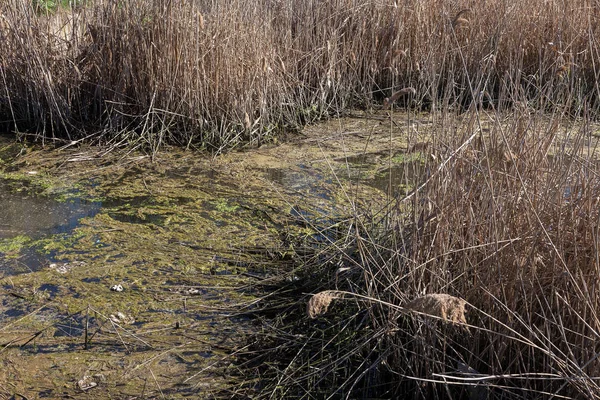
480,283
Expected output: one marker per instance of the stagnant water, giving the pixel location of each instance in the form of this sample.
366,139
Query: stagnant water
184,236
26,214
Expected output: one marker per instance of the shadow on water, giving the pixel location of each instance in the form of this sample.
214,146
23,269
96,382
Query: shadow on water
305,180
398,179
28,216
369,169
394,179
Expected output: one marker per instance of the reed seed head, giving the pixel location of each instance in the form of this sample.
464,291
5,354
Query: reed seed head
318,304
444,306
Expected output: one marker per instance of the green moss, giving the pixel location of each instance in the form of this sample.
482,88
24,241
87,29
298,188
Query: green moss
9,151
59,243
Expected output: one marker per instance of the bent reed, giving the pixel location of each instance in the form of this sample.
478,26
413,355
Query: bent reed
222,73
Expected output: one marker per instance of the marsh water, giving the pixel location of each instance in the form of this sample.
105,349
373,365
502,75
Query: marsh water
127,275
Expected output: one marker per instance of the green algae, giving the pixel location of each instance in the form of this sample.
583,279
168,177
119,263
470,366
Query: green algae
223,206
184,236
11,247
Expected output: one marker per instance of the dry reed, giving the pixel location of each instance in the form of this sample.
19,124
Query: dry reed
506,219
443,306
388,101
459,20
152,72
506,222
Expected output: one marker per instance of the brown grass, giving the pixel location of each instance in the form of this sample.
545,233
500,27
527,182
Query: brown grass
149,72
506,222
506,217
459,20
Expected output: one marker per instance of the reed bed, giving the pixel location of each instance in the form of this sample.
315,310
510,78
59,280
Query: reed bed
481,283
221,74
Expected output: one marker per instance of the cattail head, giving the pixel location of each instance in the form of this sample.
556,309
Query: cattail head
200,18
460,20
247,122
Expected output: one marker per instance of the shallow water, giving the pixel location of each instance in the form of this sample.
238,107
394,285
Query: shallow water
184,235
23,213
26,216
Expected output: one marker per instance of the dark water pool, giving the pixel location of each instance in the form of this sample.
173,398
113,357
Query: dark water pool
26,215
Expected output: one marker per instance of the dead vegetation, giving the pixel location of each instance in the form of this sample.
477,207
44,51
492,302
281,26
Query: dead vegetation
489,266
505,221
220,74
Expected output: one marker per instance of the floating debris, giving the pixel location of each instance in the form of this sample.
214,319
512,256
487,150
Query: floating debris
123,319
86,383
63,268
117,288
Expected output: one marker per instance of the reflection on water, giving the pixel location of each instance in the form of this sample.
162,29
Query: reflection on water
36,216
305,180
394,179
398,179
24,214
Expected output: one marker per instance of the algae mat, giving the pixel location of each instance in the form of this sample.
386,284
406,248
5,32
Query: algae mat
149,292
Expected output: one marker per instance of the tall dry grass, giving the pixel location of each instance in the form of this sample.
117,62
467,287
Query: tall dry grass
225,73
505,224
480,283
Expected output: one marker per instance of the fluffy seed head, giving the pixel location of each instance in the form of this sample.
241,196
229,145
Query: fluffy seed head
444,306
318,304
